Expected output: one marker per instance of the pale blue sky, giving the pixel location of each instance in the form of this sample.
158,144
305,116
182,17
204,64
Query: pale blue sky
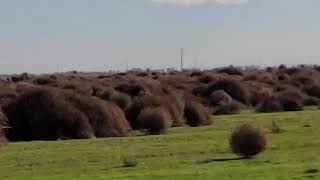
96,35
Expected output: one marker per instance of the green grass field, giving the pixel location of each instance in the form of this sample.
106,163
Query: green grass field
184,153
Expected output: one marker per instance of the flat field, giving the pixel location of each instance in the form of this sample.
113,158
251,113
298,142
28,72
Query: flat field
183,153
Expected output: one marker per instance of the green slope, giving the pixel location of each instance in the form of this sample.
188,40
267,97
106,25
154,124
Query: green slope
183,153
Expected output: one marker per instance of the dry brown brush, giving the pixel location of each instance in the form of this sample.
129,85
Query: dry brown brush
3,128
196,114
42,114
235,89
233,107
106,118
247,141
156,120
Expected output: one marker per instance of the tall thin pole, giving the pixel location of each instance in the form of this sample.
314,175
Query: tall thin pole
181,59
58,69
127,66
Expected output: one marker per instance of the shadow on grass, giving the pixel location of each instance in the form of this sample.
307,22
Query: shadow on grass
221,160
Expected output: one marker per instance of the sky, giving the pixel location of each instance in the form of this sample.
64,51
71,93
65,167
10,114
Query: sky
46,36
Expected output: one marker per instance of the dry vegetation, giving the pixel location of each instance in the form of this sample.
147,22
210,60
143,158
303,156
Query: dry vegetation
247,141
51,107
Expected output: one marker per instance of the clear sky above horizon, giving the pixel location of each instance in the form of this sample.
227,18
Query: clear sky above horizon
45,36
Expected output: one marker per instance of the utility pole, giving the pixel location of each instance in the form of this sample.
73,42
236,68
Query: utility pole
195,65
57,70
181,59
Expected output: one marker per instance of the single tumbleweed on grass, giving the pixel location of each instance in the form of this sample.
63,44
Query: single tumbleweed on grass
247,141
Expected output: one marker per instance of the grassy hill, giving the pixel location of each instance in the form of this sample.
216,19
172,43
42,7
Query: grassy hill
183,153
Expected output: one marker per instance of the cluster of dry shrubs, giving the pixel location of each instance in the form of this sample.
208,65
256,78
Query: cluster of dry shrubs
76,106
